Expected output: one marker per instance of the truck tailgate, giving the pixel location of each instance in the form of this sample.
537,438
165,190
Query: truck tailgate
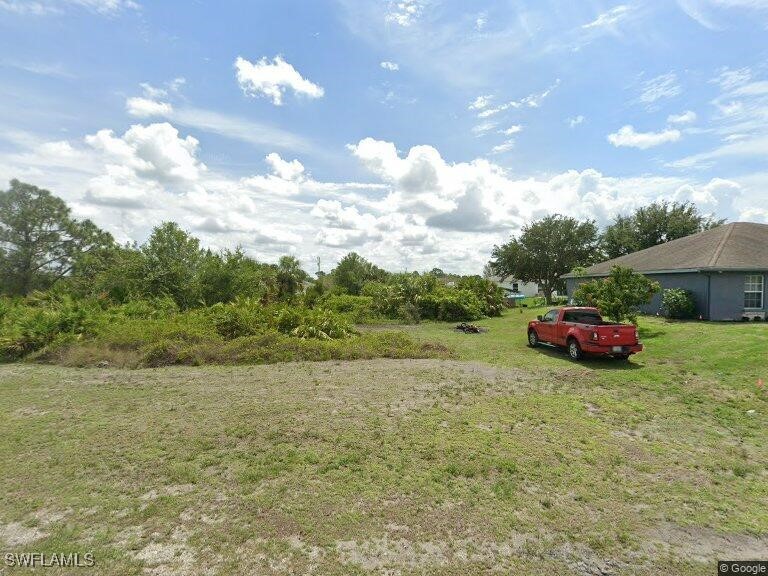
617,335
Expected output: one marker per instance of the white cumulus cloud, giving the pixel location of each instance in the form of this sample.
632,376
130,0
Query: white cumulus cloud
480,102
272,79
391,66
417,211
404,12
286,170
145,107
628,137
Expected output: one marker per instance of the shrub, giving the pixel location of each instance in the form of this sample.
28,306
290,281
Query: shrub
357,309
322,324
307,323
678,303
490,295
384,299
619,295
429,307
243,317
409,313
33,323
455,305
286,319
146,308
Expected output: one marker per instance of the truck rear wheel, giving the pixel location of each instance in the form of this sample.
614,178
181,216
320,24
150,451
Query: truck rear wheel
533,338
574,350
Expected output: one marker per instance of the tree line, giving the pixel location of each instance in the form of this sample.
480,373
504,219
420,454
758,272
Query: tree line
43,248
557,244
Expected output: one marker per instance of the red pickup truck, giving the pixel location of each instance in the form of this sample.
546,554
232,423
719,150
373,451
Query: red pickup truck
582,331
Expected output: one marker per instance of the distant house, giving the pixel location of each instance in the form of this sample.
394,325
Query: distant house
724,268
514,287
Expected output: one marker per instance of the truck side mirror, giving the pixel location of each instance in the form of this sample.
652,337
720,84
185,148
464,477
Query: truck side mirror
539,317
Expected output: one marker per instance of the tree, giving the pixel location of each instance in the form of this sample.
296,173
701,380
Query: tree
290,277
224,276
353,271
619,295
652,225
117,273
39,240
545,251
172,260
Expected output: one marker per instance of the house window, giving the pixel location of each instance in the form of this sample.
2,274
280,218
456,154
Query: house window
515,287
753,291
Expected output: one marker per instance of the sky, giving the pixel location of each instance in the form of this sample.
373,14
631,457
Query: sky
418,133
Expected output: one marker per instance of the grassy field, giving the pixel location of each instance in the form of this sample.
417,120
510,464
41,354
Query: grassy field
507,459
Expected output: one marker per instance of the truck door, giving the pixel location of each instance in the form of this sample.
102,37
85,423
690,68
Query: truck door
562,327
547,328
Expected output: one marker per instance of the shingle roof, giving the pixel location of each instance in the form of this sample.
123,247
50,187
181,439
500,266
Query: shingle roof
734,246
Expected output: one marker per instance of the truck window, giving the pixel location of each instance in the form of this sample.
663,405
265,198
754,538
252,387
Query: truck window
580,317
550,316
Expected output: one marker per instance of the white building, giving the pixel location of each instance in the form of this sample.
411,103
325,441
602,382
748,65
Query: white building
512,286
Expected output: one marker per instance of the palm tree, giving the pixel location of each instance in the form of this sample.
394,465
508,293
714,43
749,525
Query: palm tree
290,277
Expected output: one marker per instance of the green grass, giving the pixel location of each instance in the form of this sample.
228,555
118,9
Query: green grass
511,457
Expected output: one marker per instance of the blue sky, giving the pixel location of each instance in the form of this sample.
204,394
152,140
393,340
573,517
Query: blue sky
416,132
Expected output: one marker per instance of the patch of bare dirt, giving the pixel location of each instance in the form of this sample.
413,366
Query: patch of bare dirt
704,544
16,534
29,412
385,554
46,516
20,534
167,558
172,490
584,561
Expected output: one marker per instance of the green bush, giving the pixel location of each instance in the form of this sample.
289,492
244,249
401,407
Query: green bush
357,309
30,324
619,295
286,320
457,305
429,306
678,303
146,308
491,297
323,325
243,317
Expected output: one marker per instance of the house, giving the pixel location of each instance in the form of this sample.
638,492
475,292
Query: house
725,269
516,287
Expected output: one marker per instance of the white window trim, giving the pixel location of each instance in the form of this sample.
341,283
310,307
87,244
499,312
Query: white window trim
762,290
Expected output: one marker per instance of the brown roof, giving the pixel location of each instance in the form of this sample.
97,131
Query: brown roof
734,246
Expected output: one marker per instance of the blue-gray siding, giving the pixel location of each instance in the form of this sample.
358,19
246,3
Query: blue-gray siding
718,295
